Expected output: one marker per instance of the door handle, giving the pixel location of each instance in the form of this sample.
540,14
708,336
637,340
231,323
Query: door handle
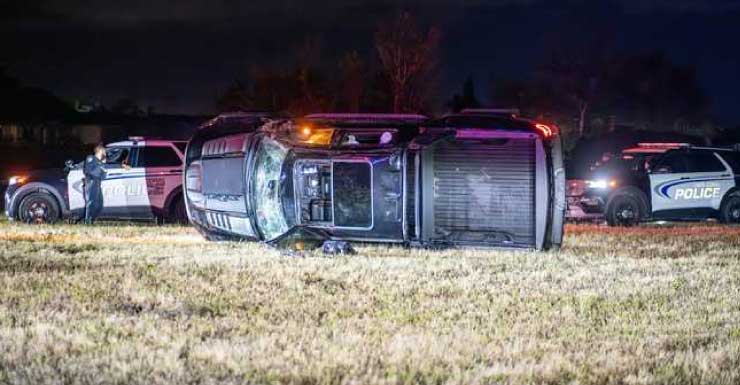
176,170
685,177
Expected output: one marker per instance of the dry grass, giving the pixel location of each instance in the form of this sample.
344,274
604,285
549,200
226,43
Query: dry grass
147,305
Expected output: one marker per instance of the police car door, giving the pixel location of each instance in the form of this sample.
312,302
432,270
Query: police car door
120,182
76,190
162,166
689,183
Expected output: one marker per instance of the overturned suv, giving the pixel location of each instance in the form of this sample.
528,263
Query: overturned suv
473,179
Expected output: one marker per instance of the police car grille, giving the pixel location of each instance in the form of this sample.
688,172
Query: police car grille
484,193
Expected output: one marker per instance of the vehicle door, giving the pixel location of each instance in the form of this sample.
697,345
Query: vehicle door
688,183
162,167
120,182
76,190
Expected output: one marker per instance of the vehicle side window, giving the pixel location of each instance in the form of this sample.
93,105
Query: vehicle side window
733,159
117,156
704,161
672,162
158,157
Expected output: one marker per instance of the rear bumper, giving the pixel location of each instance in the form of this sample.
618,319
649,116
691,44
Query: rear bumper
585,206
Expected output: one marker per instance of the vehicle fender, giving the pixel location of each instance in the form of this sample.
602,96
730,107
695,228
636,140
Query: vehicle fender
735,191
33,187
170,198
633,191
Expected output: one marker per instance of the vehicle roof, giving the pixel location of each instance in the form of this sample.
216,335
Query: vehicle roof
238,118
144,143
351,120
688,149
480,120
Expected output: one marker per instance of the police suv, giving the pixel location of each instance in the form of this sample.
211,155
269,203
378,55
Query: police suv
143,181
582,206
687,183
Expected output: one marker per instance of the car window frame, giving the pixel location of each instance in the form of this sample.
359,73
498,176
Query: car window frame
131,156
170,147
710,154
662,161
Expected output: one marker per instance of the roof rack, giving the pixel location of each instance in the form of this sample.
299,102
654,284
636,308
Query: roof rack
491,111
368,117
241,114
236,115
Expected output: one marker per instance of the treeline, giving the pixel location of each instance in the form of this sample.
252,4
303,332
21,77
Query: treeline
583,84
400,76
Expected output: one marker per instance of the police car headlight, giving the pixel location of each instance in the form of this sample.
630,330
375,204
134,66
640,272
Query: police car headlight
16,180
597,184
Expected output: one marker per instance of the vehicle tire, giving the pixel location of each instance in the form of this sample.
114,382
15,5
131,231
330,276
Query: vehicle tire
626,208
730,210
38,208
178,213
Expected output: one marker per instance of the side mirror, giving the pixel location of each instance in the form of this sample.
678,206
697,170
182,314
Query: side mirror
68,165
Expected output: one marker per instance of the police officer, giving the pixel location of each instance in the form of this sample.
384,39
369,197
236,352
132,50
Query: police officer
94,174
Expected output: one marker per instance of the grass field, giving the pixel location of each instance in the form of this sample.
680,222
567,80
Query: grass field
140,304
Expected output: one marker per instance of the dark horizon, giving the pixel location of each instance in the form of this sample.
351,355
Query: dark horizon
178,59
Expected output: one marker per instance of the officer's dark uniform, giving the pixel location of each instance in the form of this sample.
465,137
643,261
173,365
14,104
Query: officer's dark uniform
94,174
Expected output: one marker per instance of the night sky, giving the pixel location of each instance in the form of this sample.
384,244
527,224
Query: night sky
177,56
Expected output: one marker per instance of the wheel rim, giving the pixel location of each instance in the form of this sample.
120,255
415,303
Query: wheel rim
626,213
37,211
734,211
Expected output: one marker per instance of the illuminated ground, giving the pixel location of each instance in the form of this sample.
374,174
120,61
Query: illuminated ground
144,304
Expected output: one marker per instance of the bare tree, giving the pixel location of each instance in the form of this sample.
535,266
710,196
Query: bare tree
408,55
579,72
352,70
309,80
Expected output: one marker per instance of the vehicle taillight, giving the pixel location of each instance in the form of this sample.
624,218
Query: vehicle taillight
545,130
193,179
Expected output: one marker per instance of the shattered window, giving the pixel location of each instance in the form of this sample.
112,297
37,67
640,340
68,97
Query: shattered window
353,205
266,182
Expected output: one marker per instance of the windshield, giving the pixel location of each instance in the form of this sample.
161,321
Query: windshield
265,188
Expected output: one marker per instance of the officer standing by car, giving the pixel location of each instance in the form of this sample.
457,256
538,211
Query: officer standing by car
94,174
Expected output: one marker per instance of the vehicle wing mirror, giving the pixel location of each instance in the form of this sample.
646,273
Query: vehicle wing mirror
69,164
300,238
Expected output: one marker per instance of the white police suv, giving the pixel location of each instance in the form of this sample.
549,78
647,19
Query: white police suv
687,183
143,181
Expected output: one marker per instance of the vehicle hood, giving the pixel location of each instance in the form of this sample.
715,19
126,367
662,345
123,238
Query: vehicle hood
44,175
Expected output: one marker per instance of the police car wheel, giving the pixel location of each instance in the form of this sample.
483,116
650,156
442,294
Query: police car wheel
731,210
624,210
38,208
179,214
